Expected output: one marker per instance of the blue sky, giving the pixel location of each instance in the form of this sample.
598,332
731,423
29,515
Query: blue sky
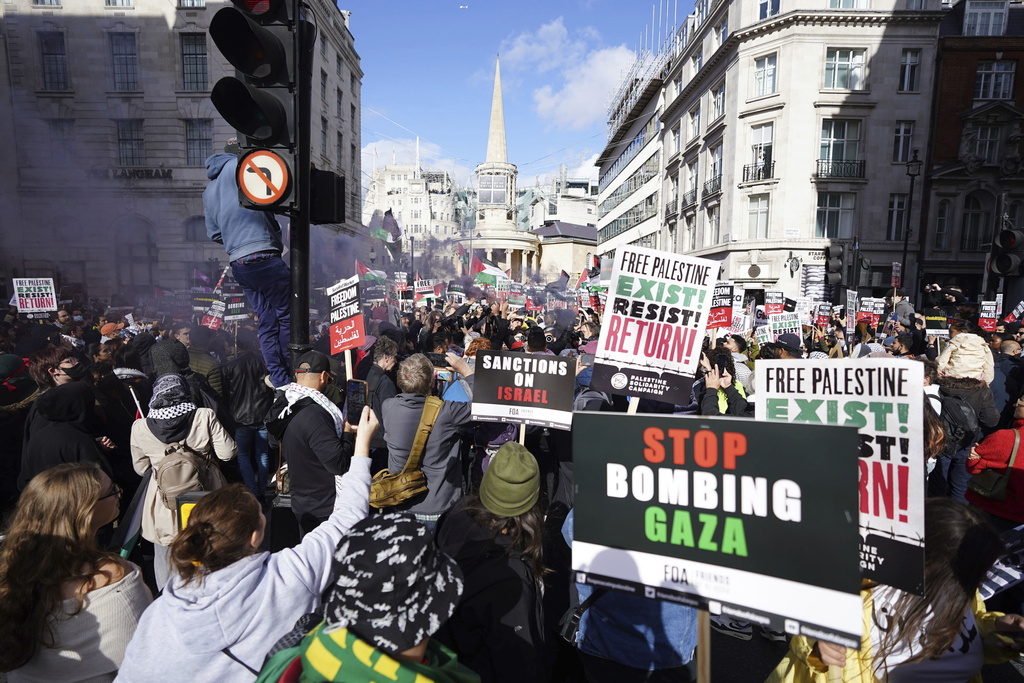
429,64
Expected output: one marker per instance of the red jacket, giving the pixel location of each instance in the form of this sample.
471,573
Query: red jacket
995,451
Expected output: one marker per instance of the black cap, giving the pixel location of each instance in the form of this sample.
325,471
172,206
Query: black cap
314,362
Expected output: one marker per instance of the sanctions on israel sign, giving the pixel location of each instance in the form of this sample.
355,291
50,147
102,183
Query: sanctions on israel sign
739,517
657,313
524,388
882,398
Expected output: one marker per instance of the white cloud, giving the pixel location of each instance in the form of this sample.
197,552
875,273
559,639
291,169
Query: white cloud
432,158
582,98
586,169
581,73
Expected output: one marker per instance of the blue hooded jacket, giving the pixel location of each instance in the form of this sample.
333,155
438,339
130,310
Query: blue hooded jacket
241,231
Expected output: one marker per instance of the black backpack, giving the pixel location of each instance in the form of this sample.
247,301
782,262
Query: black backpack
959,420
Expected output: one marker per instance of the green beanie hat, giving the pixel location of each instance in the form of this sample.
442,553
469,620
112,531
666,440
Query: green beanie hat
511,484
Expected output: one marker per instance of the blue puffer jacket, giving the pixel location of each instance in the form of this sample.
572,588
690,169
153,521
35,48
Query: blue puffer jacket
241,231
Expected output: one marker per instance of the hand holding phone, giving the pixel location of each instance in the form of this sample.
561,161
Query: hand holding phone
356,397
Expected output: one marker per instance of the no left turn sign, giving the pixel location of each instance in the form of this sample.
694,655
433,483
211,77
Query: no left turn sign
263,177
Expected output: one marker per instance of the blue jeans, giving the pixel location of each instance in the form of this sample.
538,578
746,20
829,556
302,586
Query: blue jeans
950,476
268,286
253,460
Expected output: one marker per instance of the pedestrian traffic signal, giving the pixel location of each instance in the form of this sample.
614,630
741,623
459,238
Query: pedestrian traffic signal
1007,252
834,265
258,38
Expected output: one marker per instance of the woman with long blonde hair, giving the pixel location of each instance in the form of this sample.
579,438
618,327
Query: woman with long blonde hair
67,608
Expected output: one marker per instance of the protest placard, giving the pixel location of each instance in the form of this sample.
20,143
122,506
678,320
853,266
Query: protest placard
988,316
35,295
1015,315
805,307
882,397
774,301
740,324
763,335
823,313
401,281
851,312
785,323
653,329
739,517
522,388
214,316
346,321
235,301
721,306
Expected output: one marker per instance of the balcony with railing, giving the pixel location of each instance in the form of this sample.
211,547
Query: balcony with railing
672,208
713,186
689,198
752,173
828,168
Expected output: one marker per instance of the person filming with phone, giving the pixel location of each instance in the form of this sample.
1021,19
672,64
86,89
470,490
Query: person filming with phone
316,441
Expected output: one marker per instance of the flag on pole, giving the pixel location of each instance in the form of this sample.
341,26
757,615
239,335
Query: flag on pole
582,279
367,275
199,276
391,227
486,272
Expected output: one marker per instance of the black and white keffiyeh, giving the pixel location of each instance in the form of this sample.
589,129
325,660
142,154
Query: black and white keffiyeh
394,587
171,409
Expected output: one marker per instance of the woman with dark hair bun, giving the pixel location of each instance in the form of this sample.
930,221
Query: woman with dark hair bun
497,539
944,635
227,603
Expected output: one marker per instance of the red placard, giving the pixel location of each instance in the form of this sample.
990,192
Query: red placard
346,334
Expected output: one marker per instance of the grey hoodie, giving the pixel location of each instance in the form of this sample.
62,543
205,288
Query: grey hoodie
246,606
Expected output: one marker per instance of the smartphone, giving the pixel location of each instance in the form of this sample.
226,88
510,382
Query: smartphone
586,360
356,396
444,375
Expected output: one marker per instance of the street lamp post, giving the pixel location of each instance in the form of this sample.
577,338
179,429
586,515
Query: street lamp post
373,257
913,170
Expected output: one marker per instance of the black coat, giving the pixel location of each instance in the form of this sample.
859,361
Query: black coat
381,387
975,393
248,396
61,429
497,628
315,455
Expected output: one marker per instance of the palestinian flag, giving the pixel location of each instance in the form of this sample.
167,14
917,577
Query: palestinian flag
367,275
485,272
462,253
582,279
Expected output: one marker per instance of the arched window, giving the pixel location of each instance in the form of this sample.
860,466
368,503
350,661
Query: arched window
975,232
942,224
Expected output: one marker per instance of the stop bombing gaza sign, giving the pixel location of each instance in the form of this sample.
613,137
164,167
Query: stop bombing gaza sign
739,517
654,324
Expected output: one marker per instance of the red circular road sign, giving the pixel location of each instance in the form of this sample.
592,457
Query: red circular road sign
263,177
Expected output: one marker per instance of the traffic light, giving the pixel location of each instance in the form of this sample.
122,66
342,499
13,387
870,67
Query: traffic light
258,38
1007,252
834,265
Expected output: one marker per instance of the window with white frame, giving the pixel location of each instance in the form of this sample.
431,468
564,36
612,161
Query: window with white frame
692,176
848,4
761,146
994,80
835,215
125,61
697,61
764,75
339,100
323,85
198,141
675,139
691,232
700,9
1015,213
757,213
985,17
323,136
714,224
910,66
718,101
715,161
897,217
975,232
54,56
840,140
942,215
722,32
131,145
844,68
339,147
902,141
767,8
695,123
987,146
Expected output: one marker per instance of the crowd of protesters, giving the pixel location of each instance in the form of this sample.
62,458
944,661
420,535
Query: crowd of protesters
467,580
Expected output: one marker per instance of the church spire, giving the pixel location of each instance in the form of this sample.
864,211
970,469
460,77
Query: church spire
496,134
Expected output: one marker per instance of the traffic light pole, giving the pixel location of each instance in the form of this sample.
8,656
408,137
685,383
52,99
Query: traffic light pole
299,223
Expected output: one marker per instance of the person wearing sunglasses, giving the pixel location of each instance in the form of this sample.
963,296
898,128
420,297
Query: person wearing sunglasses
67,608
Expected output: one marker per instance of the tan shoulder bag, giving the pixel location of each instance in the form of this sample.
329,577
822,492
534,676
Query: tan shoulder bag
388,489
